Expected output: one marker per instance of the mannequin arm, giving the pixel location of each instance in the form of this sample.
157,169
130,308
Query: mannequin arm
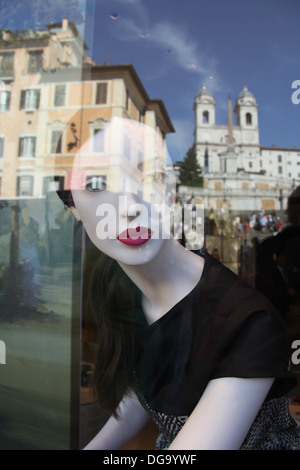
117,432
224,414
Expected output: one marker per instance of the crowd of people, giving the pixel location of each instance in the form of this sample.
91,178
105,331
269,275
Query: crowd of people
260,221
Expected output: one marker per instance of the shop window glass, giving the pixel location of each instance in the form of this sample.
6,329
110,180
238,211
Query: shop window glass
41,48
68,71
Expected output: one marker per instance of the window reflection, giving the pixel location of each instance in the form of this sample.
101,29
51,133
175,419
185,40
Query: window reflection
60,95
7,65
4,100
56,92
39,241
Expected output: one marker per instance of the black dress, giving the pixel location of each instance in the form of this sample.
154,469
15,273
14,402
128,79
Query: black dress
222,328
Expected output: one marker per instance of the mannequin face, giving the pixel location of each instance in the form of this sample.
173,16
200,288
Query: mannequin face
120,210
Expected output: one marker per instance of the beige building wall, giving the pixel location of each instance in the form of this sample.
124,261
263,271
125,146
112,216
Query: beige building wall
75,119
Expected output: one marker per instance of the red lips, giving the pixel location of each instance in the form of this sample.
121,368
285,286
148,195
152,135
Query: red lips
135,236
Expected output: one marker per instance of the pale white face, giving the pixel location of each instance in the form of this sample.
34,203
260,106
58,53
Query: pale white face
106,219
123,216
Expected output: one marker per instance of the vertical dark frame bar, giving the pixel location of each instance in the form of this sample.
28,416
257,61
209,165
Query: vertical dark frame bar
76,337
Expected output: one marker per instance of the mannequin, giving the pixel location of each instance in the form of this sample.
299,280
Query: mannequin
165,273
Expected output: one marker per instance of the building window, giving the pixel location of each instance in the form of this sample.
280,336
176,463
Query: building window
25,185
280,170
60,95
95,183
250,164
27,146
279,158
127,147
98,141
35,62
140,156
127,101
51,183
205,117
206,161
1,146
7,65
141,116
248,119
4,100
101,93
56,142
30,99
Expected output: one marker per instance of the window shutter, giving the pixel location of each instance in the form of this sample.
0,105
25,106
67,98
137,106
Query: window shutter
21,146
18,185
8,101
33,146
59,143
38,94
1,146
22,100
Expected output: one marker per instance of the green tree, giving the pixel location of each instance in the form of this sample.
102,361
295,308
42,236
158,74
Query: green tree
190,170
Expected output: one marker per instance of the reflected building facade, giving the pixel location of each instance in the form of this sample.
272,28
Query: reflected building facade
57,98
53,99
239,173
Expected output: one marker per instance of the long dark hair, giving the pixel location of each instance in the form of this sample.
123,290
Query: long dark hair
115,303
112,305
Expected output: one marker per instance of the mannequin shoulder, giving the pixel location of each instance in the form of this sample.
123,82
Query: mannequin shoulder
226,400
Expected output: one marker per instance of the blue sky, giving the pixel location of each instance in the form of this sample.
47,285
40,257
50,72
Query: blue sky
176,46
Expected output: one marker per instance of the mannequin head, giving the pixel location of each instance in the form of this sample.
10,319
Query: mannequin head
120,182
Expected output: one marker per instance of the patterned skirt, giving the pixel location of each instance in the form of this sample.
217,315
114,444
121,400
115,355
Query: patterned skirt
273,428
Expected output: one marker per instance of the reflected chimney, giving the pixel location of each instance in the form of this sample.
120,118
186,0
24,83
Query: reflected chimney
64,24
